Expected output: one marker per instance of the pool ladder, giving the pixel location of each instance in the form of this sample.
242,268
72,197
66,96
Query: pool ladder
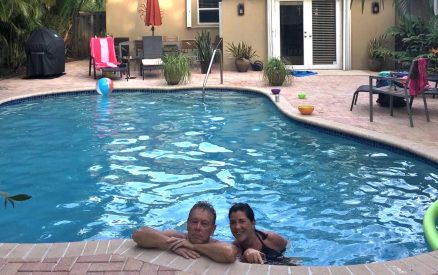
216,50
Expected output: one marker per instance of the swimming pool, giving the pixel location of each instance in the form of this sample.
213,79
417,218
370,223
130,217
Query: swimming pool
98,168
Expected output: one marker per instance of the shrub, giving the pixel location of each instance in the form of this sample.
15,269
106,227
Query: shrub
203,44
241,50
176,69
275,72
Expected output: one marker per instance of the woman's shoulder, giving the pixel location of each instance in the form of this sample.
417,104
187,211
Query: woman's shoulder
275,240
267,234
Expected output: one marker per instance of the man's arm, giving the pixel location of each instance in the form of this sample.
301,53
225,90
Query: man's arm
221,252
150,238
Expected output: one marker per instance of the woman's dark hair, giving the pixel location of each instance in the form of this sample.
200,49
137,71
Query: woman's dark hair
204,205
242,207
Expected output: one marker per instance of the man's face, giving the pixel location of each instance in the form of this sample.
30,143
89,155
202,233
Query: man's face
200,226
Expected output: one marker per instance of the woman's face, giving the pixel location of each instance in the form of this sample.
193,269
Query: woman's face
241,227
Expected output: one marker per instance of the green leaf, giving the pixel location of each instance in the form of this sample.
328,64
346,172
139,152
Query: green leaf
11,199
20,197
12,202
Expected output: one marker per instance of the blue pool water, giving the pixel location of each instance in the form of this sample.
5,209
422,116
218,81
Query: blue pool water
99,168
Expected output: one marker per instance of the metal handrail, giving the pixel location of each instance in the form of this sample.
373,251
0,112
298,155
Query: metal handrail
209,68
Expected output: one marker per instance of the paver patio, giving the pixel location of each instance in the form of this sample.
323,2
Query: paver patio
330,92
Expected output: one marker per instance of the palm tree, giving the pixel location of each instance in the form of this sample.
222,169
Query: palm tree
20,17
17,19
60,13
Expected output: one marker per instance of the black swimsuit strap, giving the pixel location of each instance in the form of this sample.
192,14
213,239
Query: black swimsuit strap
269,252
272,255
258,233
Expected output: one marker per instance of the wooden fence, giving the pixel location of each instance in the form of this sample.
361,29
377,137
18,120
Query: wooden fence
86,25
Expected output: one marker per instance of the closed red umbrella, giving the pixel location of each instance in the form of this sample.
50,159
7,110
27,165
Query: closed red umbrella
153,14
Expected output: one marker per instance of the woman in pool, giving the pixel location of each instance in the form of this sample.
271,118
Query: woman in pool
255,246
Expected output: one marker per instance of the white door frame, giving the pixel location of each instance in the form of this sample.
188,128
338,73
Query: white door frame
343,37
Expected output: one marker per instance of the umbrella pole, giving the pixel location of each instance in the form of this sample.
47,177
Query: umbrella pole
153,29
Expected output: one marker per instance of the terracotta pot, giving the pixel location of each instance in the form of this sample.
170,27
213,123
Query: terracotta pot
108,74
173,80
275,80
242,64
306,109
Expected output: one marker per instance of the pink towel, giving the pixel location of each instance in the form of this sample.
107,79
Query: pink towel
418,83
103,52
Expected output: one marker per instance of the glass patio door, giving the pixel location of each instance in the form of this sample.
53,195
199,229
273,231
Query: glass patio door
308,33
292,34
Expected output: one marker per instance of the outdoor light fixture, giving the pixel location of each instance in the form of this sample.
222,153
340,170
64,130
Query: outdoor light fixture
240,9
375,7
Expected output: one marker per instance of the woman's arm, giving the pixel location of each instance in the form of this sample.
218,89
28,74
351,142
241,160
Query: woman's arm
253,256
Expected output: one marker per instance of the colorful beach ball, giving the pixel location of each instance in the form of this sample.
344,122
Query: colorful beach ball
104,86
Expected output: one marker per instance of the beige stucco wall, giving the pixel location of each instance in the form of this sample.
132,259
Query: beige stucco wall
365,26
123,20
250,28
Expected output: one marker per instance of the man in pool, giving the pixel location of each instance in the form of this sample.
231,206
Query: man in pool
201,224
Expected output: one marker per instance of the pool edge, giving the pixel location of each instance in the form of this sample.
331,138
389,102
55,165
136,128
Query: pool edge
36,255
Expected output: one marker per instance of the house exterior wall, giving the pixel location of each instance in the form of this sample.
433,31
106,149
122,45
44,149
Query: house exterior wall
123,20
365,26
250,28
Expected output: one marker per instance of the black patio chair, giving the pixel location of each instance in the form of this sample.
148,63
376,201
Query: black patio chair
396,88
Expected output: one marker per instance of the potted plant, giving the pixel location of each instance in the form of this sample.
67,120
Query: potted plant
377,53
176,69
205,50
276,72
242,53
433,62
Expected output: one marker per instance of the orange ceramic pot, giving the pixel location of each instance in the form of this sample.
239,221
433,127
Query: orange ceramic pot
306,109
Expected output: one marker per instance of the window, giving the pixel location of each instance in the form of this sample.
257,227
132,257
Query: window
435,7
208,11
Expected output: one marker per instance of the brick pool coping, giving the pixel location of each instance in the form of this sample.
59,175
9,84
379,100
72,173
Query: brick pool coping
122,256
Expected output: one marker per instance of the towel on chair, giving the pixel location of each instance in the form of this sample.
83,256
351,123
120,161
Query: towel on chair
103,52
418,81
